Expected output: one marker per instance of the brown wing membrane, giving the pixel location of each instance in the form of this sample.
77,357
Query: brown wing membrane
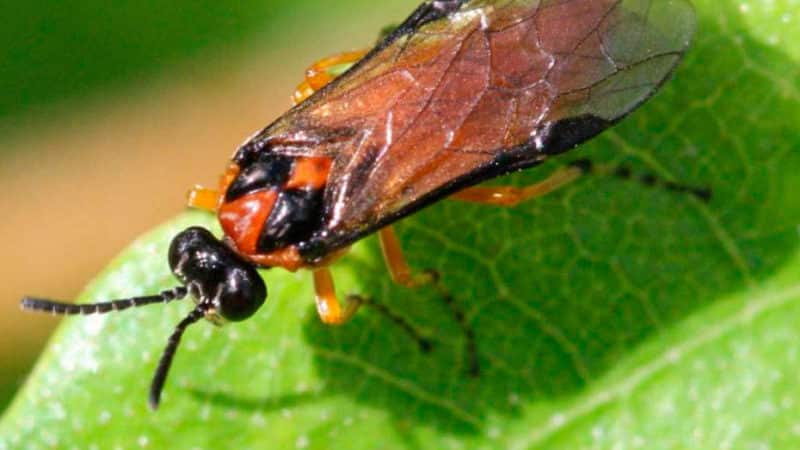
467,90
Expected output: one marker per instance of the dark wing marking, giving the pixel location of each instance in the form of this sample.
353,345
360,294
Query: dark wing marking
467,90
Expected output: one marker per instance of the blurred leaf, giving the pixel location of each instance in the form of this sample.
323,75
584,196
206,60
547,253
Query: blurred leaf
54,52
607,315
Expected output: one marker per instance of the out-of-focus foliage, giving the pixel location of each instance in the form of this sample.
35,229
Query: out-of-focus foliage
52,51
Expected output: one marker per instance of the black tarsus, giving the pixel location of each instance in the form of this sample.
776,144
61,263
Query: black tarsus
647,179
425,344
622,172
473,365
160,377
60,308
585,165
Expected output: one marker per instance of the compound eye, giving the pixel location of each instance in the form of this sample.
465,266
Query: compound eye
242,294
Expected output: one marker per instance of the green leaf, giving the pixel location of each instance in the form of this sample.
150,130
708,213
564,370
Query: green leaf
607,315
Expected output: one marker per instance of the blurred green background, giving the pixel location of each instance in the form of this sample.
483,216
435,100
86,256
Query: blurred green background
110,111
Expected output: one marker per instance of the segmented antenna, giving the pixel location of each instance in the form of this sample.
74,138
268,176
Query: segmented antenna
169,352
60,308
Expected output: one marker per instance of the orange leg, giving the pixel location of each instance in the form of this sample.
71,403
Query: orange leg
328,307
324,71
210,200
512,196
401,274
396,262
331,312
203,198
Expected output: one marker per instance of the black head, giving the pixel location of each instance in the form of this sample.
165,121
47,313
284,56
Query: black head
223,284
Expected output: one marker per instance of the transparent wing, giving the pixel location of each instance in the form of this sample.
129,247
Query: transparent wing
466,90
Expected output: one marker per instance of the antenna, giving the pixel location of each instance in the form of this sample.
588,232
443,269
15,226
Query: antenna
169,352
61,308
177,293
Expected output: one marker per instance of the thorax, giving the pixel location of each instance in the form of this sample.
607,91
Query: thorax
271,204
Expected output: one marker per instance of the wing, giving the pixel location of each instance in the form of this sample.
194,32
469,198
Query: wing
466,90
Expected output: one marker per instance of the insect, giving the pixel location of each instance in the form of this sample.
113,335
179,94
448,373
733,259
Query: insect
461,92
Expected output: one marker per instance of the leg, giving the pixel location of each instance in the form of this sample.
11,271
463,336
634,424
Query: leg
210,200
328,307
396,262
324,71
512,196
401,274
203,198
425,344
331,312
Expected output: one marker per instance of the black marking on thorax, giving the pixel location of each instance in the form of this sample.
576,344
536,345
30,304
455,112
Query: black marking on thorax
262,172
297,214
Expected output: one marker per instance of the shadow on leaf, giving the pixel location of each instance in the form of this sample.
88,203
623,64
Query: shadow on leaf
277,403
